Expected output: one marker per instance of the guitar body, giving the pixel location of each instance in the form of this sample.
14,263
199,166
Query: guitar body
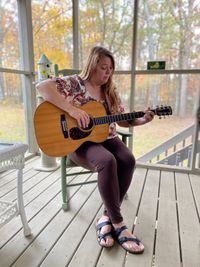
58,134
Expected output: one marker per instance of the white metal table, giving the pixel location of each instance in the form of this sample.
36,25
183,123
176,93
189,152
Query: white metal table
12,157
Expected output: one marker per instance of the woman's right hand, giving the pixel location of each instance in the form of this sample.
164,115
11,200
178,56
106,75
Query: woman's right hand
80,115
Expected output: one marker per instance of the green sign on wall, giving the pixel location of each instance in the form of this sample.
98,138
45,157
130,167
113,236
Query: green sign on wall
155,65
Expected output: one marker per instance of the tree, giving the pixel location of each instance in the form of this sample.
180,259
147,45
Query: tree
9,49
107,23
184,15
52,31
168,30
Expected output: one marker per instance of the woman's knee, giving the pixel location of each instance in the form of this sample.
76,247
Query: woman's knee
129,161
107,162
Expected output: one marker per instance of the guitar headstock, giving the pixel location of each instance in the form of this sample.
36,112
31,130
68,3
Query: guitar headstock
163,111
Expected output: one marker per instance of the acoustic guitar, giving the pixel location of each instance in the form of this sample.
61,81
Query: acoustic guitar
58,134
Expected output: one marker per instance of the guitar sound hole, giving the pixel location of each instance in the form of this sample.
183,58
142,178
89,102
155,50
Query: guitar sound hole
76,133
90,125
80,133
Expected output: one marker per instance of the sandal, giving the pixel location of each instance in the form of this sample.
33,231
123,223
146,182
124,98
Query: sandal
122,240
101,236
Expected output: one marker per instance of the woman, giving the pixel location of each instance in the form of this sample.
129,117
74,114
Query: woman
112,160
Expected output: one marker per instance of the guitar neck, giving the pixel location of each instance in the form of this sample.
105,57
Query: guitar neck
120,117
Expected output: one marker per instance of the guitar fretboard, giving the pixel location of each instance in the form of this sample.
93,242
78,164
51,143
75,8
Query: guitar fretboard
120,117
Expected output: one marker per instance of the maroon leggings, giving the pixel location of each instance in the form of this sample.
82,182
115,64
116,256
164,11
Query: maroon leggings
115,164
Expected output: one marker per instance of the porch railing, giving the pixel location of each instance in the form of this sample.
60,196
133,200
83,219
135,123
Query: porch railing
175,151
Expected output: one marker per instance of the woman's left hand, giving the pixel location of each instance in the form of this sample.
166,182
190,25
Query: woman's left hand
149,115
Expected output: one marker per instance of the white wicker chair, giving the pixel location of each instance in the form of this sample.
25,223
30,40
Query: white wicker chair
12,157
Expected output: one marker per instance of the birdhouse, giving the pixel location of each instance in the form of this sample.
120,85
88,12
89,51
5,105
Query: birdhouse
44,68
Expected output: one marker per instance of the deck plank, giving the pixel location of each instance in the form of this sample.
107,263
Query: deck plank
73,235
88,251
18,244
196,190
117,255
189,222
11,186
31,182
167,251
56,241
145,227
8,176
34,207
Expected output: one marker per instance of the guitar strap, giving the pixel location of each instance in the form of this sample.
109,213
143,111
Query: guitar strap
107,104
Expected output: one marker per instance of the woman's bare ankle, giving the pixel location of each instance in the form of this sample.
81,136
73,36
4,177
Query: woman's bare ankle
103,218
118,225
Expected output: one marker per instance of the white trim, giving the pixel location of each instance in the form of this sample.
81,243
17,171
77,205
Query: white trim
75,20
27,62
174,71
133,62
195,134
26,72
163,167
119,72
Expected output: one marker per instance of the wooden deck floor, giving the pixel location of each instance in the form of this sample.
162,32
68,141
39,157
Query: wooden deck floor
163,209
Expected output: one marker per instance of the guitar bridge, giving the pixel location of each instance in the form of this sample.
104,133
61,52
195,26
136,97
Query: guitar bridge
63,124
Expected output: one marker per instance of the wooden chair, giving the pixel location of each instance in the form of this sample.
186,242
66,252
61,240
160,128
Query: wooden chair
66,163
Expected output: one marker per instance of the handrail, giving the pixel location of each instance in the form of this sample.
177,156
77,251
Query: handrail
26,72
137,72
179,156
167,144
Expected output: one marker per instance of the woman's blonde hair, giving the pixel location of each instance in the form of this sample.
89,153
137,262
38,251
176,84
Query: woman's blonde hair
95,55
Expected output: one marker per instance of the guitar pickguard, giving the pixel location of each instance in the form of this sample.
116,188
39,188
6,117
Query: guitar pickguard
76,133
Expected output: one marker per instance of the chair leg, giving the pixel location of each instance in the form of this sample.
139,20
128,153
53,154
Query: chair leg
27,230
64,183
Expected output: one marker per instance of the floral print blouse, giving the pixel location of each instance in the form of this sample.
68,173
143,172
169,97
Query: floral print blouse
73,88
